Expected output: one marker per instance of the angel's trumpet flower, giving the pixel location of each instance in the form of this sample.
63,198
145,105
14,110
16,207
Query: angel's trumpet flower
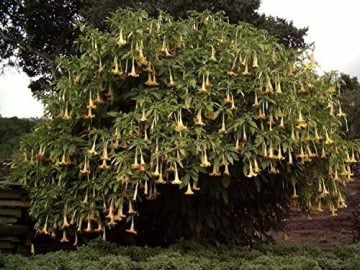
198,119
64,238
256,101
171,82
353,160
104,165
223,127
340,113
131,209
203,85
132,227
65,222
105,155
133,71
290,161
91,103
204,160
121,41
271,152
294,195
327,138
189,190
256,167
66,115
278,88
115,69
86,168
177,180
279,154
251,171
92,151
179,124
300,122
142,59
226,169
142,161
207,80
160,180
88,227
212,57
143,116
323,154
244,137
255,61
89,115
215,171
44,230
302,154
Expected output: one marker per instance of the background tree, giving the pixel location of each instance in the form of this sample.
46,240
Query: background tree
33,33
350,100
11,130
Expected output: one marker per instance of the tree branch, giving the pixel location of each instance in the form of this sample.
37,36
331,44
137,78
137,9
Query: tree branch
22,45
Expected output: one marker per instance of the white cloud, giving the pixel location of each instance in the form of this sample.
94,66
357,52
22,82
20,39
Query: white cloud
15,98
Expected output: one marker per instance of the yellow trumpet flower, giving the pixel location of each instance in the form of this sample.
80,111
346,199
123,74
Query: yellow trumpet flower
189,190
171,82
198,119
115,69
251,171
121,41
105,155
91,103
179,123
203,85
327,138
176,180
133,71
92,151
256,102
86,168
226,169
300,122
64,238
136,165
66,115
223,128
290,161
212,57
90,115
204,160
278,88
255,61
132,227
104,165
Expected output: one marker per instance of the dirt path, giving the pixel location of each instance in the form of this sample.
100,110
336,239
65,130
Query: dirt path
323,230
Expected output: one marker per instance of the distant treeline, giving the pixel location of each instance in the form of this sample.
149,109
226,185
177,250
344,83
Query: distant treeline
11,130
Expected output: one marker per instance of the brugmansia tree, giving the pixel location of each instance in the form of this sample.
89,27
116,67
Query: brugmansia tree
187,104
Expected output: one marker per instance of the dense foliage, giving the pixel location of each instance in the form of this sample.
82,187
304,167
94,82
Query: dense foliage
188,256
34,32
198,103
11,130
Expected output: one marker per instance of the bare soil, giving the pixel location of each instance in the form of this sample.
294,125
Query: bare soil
323,230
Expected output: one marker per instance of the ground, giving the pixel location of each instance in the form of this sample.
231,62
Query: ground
323,230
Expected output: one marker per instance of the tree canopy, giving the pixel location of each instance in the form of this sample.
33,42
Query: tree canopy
33,33
197,104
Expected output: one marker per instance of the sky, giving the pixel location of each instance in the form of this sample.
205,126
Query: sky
333,28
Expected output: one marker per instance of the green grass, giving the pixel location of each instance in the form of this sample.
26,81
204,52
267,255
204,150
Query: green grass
187,256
